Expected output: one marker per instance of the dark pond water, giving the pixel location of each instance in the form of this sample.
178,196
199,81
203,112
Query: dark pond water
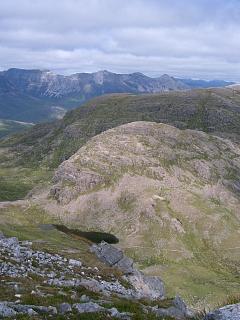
92,236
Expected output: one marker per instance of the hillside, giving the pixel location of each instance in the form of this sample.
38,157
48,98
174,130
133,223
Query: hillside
8,127
216,111
170,196
30,157
41,95
19,106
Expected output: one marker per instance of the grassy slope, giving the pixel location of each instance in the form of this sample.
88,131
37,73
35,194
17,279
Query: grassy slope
8,127
17,106
202,109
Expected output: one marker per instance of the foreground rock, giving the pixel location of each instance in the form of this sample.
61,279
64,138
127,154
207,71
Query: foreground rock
78,289
178,310
149,287
230,312
113,257
10,310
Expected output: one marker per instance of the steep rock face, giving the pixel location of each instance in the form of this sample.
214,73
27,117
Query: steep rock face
171,196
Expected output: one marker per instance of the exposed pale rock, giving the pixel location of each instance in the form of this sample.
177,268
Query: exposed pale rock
178,310
229,312
147,286
84,298
87,307
65,308
120,315
75,263
6,311
113,257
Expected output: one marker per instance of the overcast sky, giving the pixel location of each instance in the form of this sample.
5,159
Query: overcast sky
188,38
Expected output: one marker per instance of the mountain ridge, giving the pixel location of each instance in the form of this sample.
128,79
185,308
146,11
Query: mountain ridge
34,95
215,111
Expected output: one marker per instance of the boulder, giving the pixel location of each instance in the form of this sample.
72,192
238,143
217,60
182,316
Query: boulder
87,307
178,310
75,263
25,309
44,310
149,287
65,308
113,257
84,298
120,315
6,312
125,265
229,312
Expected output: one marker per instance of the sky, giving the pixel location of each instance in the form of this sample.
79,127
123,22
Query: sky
184,38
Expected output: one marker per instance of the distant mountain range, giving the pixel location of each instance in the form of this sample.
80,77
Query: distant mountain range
37,96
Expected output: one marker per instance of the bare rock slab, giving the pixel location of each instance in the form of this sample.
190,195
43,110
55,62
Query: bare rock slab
229,312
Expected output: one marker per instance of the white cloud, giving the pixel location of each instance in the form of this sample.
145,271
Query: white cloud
183,38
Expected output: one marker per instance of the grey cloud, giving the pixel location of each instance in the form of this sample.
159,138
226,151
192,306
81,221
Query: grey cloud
184,38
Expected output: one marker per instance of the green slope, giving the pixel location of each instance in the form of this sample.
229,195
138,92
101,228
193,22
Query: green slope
215,111
8,127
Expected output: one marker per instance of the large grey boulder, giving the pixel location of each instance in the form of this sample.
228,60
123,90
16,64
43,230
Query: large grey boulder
229,312
178,310
113,257
120,315
65,308
25,309
149,287
5,311
87,307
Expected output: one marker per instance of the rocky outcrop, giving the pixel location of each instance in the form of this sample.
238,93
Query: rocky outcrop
229,312
178,310
149,287
20,260
113,257
11,310
21,263
76,182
